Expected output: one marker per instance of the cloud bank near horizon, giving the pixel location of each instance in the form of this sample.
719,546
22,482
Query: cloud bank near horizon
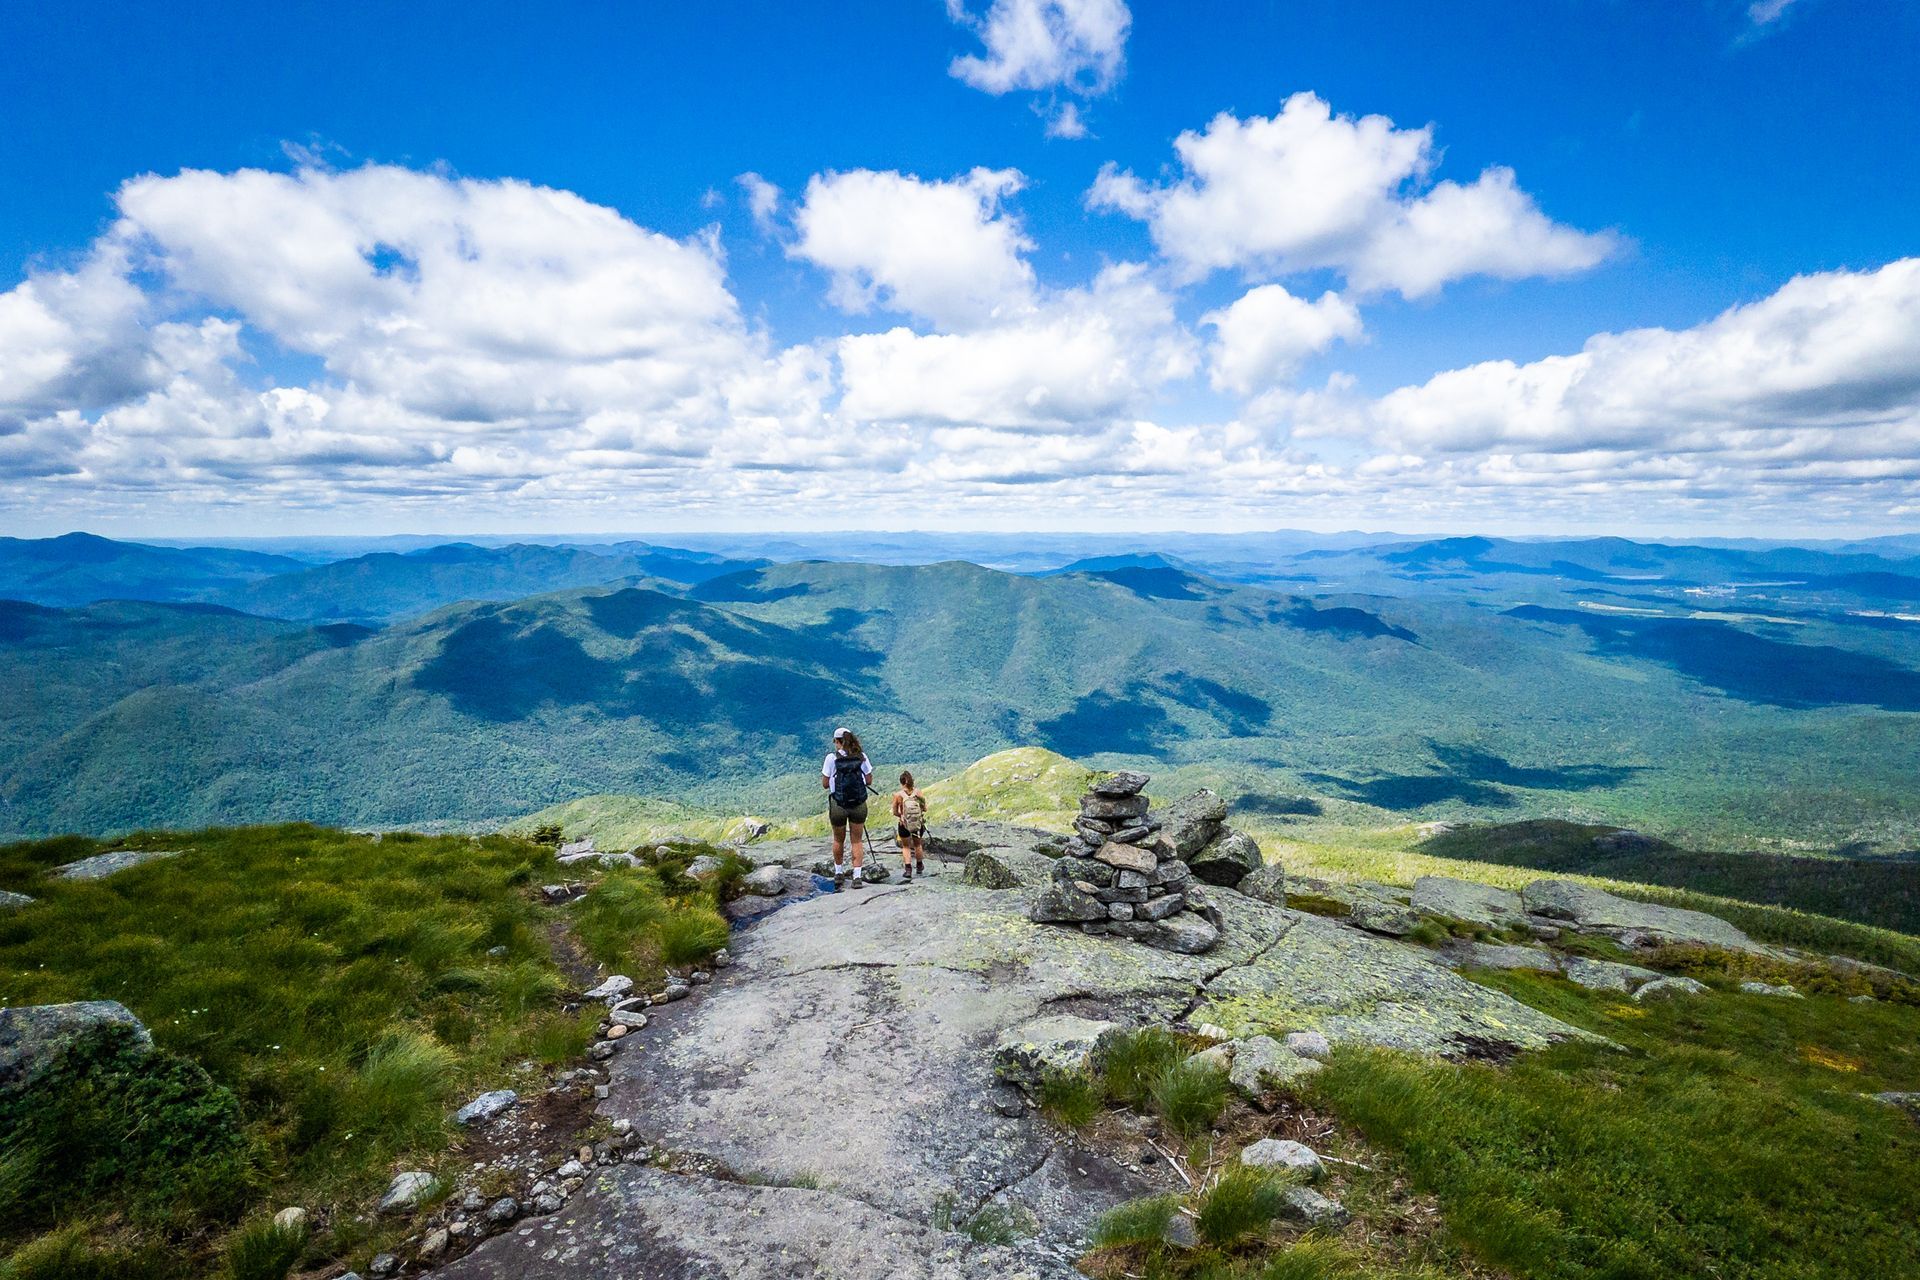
405,341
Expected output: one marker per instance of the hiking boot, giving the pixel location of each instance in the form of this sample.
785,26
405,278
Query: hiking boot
919,866
906,875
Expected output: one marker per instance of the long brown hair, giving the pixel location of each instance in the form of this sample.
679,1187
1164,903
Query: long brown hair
850,745
906,779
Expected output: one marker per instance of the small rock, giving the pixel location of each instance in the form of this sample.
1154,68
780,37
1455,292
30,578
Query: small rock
1159,908
604,1050
11,901
472,1202
485,1107
704,867
1261,1063
1127,857
1267,883
722,958
1193,821
1107,809
621,1127
1770,989
407,1190
571,1169
503,1210
1227,859
547,1202
1309,1206
1279,1153
1605,975
1061,903
1061,1042
1217,1057
984,871
612,989
1180,1233
435,1244
699,977
767,882
617,1031
1308,1044
1007,1100
1121,782
1388,918
1660,988
383,1264
291,1218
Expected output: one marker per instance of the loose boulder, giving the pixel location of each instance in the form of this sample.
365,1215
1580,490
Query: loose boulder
1227,859
407,1190
1480,904
1592,910
1605,975
1660,988
10,901
1261,1063
1268,883
1283,1155
102,865
485,1107
1192,822
1034,1049
767,882
984,871
35,1037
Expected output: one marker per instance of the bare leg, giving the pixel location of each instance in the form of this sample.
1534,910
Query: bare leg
859,844
839,840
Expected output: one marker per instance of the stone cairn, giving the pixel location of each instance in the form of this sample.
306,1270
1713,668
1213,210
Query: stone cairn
1130,873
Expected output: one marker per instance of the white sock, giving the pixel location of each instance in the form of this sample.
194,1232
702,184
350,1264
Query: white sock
856,873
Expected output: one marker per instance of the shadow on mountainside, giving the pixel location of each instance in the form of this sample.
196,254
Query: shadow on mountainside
1470,775
1752,668
1883,891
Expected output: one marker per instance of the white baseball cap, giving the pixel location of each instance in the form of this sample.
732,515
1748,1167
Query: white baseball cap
842,732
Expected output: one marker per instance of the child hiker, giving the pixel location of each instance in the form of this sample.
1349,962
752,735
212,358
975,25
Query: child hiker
845,777
910,825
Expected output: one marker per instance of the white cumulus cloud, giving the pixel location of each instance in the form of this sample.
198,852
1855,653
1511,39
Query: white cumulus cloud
1079,359
1308,190
1077,45
1264,335
948,251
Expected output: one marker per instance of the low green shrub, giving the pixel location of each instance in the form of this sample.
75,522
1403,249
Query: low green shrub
691,934
264,1251
1135,1060
400,1094
1241,1203
1137,1222
1070,1098
68,1254
1189,1096
113,1122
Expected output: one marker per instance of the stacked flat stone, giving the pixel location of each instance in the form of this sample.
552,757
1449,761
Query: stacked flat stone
1121,874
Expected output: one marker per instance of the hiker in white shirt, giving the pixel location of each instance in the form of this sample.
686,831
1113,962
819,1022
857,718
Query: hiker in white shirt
846,776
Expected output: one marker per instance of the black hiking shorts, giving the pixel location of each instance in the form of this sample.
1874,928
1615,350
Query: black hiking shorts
839,817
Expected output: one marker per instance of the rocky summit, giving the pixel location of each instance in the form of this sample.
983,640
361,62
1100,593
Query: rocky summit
1133,874
849,1091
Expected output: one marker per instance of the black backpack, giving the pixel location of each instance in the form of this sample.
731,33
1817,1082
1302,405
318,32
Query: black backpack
849,786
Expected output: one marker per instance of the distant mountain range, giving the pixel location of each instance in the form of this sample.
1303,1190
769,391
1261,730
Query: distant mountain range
1718,692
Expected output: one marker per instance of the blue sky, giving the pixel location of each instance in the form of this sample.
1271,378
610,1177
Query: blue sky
173,355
